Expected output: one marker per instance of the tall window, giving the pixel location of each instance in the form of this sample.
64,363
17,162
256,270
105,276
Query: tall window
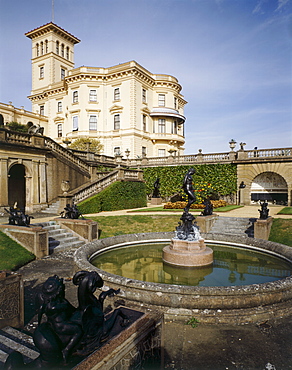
92,95
161,100
42,48
62,50
144,123
117,94
37,50
62,73
42,110
174,127
117,122
67,53
75,96
93,122
42,72
46,46
144,96
161,152
75,123
175,103
59,129
161,125
117,150
57,47
143,151
60,108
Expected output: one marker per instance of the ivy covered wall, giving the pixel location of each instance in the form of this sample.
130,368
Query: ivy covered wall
209,179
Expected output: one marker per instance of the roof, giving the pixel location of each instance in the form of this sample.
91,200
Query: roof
51,27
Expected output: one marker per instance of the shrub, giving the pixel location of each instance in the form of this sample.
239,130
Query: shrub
120,195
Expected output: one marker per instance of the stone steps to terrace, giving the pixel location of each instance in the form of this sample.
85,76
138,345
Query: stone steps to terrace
14,340
53,208
60,239
234,226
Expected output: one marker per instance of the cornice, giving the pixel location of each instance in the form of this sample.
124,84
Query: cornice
51,27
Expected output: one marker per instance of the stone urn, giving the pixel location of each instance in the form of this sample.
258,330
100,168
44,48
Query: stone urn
65,186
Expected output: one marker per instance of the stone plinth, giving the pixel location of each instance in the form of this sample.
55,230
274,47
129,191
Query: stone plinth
11,300
85,229
33,238
205,223
156,201
187,253
262,228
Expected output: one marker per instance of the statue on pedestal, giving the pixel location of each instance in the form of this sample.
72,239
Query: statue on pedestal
69,330
156,186
264,211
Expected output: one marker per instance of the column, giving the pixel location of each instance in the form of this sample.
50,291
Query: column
3,182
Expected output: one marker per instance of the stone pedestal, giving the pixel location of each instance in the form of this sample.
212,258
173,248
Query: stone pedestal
262,228
11,300
187,253
205,223
85,229
156,201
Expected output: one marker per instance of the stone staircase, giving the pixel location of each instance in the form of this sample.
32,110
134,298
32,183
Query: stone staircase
234,226
12,339
60,239
53,208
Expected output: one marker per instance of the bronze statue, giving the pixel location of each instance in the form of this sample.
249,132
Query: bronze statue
264,211
18,218
69,330
188,188
71,212
208,210
156,185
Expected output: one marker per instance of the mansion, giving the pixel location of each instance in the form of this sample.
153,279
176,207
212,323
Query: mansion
126,107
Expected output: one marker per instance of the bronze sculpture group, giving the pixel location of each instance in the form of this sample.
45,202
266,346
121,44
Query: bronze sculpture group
18,217
69,330
71,212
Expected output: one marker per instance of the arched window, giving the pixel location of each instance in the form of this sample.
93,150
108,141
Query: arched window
67,53
62,50
37,50
57,47
42,48
46,46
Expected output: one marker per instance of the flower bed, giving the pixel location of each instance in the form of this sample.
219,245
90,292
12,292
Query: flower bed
181,205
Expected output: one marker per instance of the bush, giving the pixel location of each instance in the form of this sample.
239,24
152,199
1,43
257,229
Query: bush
181,205
120,195
210,180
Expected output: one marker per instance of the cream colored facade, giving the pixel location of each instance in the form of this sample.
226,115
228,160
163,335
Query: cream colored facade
125,106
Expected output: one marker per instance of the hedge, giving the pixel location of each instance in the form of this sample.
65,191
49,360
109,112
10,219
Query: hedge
120,195
213,180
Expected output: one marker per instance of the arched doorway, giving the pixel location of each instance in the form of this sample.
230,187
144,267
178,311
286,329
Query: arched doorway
269,186
16,185
1,120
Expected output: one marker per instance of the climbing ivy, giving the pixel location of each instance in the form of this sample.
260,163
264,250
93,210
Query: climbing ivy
209,180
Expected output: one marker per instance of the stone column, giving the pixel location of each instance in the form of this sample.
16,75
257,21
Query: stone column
3,182
35,183
43,182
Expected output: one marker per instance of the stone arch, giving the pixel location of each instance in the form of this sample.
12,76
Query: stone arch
269,186
17,186
1,120
246,172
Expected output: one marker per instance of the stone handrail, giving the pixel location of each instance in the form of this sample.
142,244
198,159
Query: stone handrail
15,137
268,153
87,190
67,154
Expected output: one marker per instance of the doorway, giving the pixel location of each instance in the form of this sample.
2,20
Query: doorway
16,186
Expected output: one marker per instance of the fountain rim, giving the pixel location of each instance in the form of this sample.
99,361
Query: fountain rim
84,255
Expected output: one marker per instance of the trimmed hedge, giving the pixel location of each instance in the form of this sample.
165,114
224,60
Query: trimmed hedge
209,179
120,195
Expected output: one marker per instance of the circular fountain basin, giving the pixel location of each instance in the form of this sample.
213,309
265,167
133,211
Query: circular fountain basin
213,304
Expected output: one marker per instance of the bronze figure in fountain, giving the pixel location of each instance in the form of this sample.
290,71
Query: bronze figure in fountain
188,248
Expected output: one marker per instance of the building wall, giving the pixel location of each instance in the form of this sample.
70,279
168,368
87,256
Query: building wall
68,99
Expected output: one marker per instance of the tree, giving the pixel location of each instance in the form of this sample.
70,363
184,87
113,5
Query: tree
86,143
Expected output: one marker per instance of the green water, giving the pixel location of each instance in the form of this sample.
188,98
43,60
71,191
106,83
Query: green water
232,266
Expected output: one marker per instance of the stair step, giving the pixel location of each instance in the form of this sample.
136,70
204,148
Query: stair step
14,340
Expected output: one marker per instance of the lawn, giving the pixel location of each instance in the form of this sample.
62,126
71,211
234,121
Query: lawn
281,231
285,211
12,255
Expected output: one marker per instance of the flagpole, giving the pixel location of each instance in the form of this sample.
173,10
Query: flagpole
53,12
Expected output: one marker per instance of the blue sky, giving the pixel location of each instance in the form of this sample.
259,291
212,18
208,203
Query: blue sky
232,58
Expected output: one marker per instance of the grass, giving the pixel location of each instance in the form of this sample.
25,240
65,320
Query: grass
285,211
12,254
281,231
161,209
118,225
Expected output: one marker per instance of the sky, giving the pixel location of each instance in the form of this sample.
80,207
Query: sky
232,58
